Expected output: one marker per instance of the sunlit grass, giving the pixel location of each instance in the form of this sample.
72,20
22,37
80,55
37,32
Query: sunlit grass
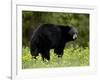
72,57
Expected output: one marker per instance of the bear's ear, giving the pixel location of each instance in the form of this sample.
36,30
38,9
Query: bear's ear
74,36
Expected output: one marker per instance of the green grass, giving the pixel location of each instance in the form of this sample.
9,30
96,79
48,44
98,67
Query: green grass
72,57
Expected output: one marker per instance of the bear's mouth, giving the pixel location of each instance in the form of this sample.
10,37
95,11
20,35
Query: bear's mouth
74,36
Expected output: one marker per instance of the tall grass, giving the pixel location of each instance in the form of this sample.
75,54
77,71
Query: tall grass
72,57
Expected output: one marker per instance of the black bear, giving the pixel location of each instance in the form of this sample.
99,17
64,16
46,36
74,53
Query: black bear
51,36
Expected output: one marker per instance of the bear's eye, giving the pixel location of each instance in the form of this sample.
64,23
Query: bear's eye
74,36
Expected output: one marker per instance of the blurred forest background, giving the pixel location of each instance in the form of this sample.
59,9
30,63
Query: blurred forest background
75,54
32,20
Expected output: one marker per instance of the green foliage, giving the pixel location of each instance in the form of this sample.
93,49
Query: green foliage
77,56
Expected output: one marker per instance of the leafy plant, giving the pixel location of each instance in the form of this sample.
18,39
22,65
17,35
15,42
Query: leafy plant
72,57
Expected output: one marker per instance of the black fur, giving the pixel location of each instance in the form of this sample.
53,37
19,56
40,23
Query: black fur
50,36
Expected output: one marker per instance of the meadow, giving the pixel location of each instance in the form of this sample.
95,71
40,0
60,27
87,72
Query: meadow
73,57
